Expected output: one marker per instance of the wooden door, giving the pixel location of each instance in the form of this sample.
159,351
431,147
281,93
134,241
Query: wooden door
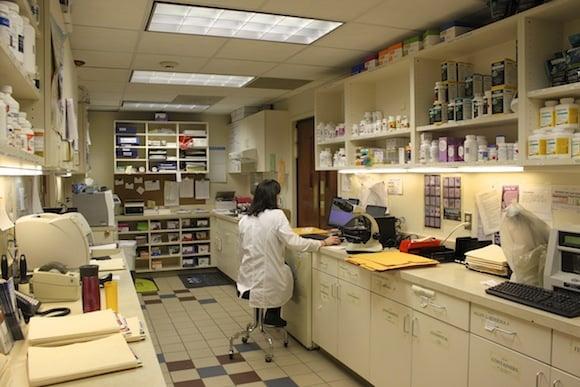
315,190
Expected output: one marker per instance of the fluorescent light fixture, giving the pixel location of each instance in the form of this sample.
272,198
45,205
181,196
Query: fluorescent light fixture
13,171
165,107
189,79
491,169
195,20
359,171
433,170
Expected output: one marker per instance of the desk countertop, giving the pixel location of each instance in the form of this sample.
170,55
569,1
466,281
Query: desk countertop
458,281
227,218
147,375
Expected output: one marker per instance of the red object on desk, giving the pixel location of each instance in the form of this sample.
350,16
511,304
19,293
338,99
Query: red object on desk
409,245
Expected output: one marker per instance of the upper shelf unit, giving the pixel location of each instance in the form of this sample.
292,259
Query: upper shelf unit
12,73
405,88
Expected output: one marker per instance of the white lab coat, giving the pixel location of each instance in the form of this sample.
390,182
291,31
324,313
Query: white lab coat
263,240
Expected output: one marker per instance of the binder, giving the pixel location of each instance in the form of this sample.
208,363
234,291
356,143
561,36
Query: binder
51,365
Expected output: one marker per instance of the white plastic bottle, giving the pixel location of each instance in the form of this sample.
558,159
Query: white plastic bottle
470,149
567,113
5,31
18,26
548,114
13,105
13,14
425,152
29,47
434,151
27,134
576,146
537,144
559,143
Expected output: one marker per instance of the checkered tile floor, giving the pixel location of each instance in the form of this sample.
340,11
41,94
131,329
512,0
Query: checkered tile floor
190,330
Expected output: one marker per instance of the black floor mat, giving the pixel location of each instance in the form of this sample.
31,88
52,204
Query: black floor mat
200,280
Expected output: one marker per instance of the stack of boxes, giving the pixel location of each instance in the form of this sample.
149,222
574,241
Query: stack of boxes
504,85
564,66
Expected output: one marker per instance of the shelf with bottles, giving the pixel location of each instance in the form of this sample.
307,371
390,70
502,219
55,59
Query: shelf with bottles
384,153
481,121
332,157
571,90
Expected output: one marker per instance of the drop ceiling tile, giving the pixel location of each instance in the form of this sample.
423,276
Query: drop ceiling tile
178,44
339,10
126,14
253,49
237,67
101,87
102,74
296,71
104,59
103,39
184,63
326,56
404,14
362,37
109,99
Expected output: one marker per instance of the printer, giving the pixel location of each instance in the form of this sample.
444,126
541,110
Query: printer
562,270
98,208
45,238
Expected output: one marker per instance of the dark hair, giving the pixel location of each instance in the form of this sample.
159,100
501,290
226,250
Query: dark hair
265,197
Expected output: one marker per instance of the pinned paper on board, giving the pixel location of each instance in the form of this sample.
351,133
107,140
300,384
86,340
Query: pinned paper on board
489,208
129,186
509,194
345,185
566,198
119,182
171,193
202,189
138,180
452,198
5,221
537,199
395,185
281,172
140,190
152,185
375,195
186,188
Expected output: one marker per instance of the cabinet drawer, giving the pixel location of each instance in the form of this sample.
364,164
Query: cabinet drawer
493,365
562,379
566,353
325,264
389,286
441,306
354,274
522,336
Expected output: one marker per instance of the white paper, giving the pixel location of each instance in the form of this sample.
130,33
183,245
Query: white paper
375,195
537,199
36,205
395,185
489,207
5,222
140,190
129,186
566,198
178,176
202,189
138,180
21,197
217,164
171,193
152,185
345,184
186,188
72,129
119,181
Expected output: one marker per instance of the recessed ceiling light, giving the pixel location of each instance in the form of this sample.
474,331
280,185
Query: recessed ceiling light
194,20
167,107
190,79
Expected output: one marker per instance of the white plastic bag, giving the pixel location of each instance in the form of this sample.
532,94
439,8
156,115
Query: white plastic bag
524,240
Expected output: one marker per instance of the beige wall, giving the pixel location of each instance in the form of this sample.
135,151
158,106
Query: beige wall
102,139
299,106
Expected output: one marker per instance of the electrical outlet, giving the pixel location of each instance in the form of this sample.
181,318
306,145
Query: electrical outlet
468,218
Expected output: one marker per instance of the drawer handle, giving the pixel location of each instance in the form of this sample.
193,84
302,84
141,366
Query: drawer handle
425,302
406,323
557,383
539,375
491,327
414,322
422,292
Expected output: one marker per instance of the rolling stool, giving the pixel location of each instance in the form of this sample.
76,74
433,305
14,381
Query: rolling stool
259,325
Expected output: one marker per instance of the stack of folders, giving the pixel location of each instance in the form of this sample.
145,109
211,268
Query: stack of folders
489,259
5,372
86,345
10,309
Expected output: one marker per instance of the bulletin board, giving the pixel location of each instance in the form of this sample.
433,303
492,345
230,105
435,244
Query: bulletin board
132,187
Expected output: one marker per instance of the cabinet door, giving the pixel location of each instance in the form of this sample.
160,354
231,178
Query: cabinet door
390,343
562,379
325,311
439,353
217,244
354,315
494,365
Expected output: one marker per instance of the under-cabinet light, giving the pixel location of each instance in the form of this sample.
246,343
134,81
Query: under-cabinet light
230,23
189,79
427,170
166,107
13,171
360,171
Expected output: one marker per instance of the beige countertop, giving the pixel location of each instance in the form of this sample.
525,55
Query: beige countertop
173,215
458,281
225,217
147,375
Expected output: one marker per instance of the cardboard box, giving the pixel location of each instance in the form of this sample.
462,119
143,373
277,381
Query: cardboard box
412,45
501,100
464,70
449,71
453,32
504,74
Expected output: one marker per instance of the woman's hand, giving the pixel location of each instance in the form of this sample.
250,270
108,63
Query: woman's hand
331,240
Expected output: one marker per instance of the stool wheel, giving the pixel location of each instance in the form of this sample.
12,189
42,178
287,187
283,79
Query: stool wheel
244,340
268,358
286,344
231,355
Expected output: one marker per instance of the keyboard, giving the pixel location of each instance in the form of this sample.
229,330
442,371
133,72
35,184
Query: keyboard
318,237
559,303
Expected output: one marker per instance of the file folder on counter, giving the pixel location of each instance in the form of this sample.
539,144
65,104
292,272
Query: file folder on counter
51,365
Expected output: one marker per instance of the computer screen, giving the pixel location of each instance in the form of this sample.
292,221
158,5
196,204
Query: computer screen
376,211
340,213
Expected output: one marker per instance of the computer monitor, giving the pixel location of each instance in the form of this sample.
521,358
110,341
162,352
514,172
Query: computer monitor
376,211
340,213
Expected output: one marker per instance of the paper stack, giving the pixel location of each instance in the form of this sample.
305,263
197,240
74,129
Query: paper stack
489,259
5,372
132,329
389,260
50,365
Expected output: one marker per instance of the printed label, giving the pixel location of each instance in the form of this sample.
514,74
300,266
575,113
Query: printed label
504,365
439,338
390,316
491,318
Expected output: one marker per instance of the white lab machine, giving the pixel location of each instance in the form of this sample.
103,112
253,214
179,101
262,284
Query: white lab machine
97,207
45,238
562,270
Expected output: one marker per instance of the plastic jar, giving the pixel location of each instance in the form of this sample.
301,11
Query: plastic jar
567,112
13,105
492,153
537,144
576,146
470,149
39,142
5,31
559,143
29,47
478,107
440,112
500,139
424,152
451,111
481,140
13,14
434,151
440,92
547,114
510,151
27,133
482,154
502,151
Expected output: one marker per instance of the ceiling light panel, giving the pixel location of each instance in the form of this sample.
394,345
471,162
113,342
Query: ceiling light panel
194,20
167,107
189,79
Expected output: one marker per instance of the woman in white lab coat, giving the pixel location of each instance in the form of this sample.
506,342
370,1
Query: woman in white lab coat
265,233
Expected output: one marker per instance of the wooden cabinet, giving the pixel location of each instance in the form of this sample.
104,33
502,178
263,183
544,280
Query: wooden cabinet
562,379
325,311
494,365
390,346
439,353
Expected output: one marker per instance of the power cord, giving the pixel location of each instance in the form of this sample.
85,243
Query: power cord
454,229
